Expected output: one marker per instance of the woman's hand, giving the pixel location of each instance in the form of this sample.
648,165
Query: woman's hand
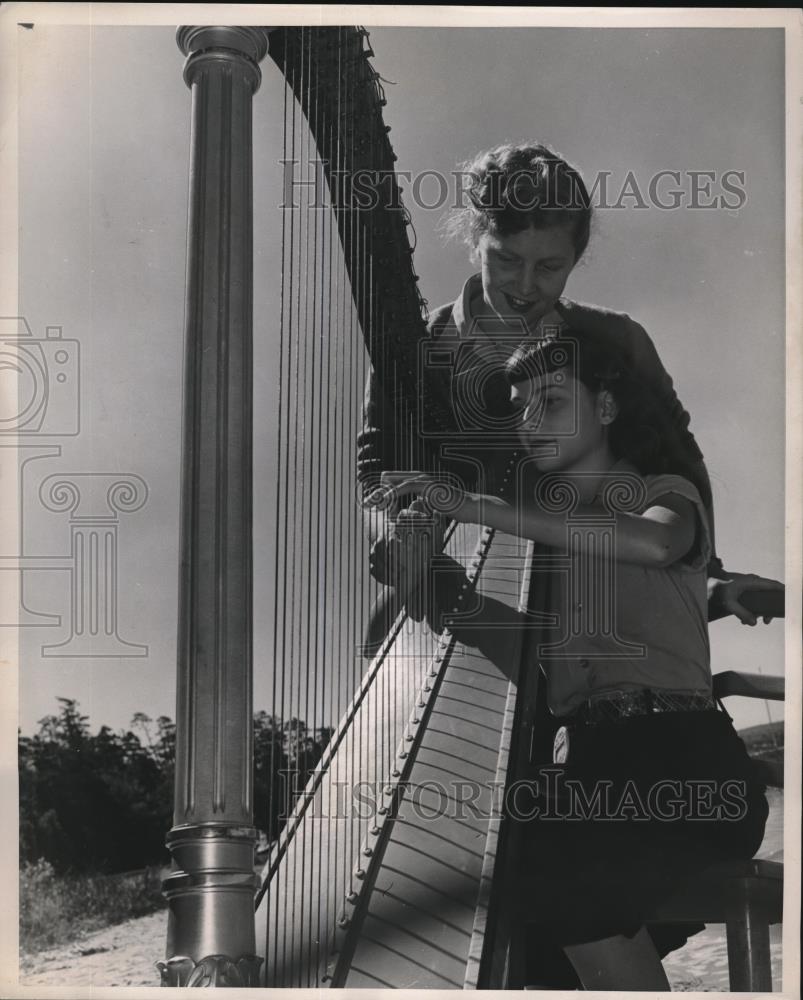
436,495
727,595
400,557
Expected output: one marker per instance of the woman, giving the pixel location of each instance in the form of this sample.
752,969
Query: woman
527,221
654,785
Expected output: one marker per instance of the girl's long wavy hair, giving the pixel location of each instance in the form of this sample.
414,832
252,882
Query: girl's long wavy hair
643,432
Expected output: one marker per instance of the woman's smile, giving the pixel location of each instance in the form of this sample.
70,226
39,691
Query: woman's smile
524,273
520,305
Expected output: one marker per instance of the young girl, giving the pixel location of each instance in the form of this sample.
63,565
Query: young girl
651,784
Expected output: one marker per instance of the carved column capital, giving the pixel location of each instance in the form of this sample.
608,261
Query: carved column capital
241,47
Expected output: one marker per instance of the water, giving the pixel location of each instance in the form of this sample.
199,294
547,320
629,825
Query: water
702,964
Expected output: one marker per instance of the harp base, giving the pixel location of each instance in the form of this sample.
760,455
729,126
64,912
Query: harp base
210,929
214,970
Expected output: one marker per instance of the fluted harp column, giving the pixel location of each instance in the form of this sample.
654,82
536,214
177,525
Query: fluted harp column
210,937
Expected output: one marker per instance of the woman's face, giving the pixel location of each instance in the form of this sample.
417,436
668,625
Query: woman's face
524,275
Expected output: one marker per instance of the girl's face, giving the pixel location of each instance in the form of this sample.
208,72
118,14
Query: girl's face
563,422
524,275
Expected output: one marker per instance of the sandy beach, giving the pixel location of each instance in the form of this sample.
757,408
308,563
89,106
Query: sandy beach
125,955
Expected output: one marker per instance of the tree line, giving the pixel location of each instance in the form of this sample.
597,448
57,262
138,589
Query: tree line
103,802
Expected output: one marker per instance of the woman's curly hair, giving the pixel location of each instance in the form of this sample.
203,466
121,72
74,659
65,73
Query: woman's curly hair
514,187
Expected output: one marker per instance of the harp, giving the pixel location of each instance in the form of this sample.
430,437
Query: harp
389,866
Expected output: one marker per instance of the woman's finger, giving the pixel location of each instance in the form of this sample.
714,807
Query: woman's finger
419,506
730,603
382,497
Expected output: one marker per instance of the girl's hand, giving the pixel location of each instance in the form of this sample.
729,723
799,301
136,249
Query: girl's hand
727,594
401,557
439,495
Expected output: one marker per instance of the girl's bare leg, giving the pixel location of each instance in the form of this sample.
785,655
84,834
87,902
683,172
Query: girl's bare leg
619,963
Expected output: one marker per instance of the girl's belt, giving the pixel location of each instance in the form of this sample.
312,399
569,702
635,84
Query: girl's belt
619,705
626,704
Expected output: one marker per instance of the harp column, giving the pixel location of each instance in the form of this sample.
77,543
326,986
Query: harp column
210,937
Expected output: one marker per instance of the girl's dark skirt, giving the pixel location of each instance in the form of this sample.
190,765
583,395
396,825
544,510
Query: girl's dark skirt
641,807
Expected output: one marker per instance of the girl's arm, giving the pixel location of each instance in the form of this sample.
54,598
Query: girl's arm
660,536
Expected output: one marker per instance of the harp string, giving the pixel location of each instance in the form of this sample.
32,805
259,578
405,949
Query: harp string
329,297
318,389
300,346
352,224
283,664
345,681
278,683
345,613
301,500
306,611
321,892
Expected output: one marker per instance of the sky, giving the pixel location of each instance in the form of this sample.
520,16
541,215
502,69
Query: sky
103,155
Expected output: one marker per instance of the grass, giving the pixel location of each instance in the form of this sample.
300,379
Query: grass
57,909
